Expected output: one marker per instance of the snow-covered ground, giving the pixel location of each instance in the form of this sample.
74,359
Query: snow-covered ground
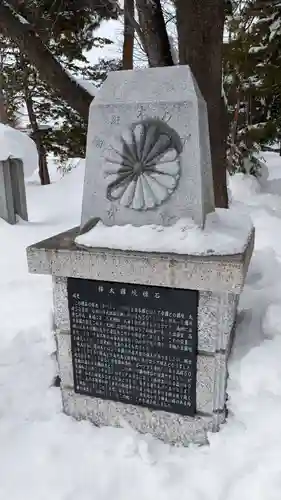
45,455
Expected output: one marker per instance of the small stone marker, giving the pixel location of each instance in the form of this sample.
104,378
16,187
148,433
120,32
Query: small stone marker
148,154
144,337
12,190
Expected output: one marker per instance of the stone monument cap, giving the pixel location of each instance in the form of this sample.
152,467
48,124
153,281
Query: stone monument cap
148,154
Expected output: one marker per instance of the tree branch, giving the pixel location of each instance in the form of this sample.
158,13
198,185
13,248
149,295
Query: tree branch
119,12
128,43
155,37
33,17
49,69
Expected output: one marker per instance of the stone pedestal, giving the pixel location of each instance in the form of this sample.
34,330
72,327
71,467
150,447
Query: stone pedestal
219,281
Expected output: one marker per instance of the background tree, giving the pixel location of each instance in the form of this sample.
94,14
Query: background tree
31,37
154,37
252,71
55,126
200,32
200,41
200,29
129,35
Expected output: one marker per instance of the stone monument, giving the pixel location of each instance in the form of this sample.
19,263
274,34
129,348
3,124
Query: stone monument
148,143
143,337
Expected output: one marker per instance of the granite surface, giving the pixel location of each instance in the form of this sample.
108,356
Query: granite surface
219,280
123,104
169,427
59,256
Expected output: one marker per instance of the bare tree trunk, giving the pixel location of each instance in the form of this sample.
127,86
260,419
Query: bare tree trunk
128,45
50,70
3,110
200,30
235,120
233,136
155,37
42,159
37,137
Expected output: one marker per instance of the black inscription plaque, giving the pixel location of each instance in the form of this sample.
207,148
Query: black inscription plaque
135,344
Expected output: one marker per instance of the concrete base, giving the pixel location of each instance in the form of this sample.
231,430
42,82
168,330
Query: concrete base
219,280
169,427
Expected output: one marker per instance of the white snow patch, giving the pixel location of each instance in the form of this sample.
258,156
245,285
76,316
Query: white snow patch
46,455
274,29
243,185
255,49
272,320
16,144
88,85
225,232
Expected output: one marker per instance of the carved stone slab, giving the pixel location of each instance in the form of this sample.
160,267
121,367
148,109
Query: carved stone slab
148,154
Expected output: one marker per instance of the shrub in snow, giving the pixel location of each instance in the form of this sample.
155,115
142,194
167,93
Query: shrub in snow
243,187
243,160
66,166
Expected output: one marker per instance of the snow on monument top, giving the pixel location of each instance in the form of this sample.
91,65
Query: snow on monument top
148,154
